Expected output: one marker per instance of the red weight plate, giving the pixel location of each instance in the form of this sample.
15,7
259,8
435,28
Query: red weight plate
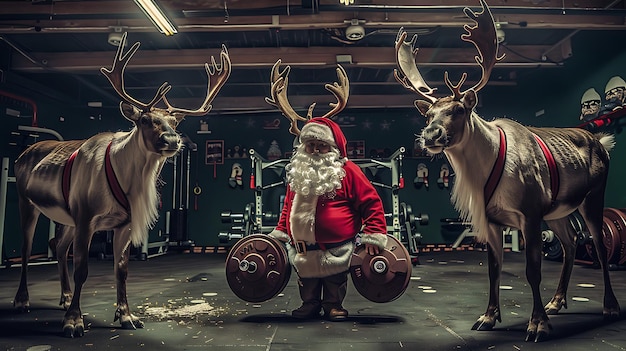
384,277
610,238
619,221
257,268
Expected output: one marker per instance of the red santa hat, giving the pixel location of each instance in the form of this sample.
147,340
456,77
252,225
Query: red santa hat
326,130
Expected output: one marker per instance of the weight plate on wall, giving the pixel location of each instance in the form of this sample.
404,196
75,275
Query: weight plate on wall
610,239
384,277
257,268
623,237
619,239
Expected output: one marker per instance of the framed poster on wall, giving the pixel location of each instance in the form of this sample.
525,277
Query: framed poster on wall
214,152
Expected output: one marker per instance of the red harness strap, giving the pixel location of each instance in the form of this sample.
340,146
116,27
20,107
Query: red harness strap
114,185
554,172
67,177
497,170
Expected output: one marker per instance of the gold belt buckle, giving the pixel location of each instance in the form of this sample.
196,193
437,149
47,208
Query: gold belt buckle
300,246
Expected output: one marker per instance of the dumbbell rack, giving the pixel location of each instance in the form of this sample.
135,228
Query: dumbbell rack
251,221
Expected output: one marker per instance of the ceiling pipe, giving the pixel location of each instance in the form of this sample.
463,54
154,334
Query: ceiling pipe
293,26
300,10
534,10
297,10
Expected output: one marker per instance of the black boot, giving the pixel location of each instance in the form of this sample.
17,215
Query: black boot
310,293
335,288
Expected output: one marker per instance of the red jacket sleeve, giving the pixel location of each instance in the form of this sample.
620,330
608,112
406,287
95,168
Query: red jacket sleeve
367,202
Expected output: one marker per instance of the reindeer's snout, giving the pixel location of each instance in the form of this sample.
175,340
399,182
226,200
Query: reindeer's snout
170,142
434,138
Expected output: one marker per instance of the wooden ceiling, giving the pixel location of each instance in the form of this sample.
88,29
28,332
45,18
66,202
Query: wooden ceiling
59,46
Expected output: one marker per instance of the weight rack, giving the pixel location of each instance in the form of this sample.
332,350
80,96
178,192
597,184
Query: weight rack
403,221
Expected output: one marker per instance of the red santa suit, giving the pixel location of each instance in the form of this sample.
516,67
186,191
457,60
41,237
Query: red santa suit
320,230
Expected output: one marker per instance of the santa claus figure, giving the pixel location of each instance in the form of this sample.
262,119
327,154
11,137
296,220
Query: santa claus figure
329,201
615,92
614,95
589,105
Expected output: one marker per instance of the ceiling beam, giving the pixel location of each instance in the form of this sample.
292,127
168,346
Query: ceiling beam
265,57
200,16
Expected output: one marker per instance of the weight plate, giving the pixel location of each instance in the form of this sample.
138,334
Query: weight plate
257,268
553,250
619,240
384,277
610,239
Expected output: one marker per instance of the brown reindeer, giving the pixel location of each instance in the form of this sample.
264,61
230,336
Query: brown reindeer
510,175
106,182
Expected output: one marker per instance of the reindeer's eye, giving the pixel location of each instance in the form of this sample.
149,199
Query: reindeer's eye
458,110
145,119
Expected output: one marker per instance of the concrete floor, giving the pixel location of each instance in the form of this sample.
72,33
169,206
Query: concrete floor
186,304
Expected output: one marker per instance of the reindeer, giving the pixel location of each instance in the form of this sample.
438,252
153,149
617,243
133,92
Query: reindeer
510,175
106,182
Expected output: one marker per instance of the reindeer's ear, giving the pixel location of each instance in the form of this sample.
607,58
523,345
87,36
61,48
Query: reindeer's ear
129,111
422,106
179,116
469,99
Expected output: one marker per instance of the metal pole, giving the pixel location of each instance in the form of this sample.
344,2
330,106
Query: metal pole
174,183
188,171
180,185
4,179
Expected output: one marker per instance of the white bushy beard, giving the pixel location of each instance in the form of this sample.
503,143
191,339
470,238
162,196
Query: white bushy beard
319,174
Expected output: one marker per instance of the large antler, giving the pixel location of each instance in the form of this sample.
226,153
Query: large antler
218,75
115,75
278,98
341,90
483,35
407,73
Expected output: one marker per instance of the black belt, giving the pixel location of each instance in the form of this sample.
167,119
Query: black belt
302,247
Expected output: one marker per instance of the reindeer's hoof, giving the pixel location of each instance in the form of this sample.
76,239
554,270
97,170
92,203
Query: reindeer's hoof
611,315
130,324
536,336
538,330
487,321
70,331
21,306
482,325
22,309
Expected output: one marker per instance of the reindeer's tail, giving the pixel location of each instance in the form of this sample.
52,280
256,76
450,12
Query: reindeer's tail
607,140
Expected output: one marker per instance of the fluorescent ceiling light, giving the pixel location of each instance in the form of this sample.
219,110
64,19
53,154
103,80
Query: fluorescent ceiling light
156,15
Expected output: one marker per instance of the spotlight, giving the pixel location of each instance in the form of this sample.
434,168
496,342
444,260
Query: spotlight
115,39
355,31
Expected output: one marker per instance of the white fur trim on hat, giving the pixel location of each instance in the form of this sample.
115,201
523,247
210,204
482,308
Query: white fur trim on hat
317,131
